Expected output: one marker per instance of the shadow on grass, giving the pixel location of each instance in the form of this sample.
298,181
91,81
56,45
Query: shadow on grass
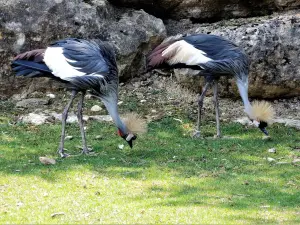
231,173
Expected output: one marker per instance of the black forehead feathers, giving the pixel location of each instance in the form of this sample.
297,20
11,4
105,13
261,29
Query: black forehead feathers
262,124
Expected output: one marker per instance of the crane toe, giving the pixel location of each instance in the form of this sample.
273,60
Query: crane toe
196,134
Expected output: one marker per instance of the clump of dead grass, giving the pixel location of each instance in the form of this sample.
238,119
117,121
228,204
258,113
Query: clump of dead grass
176,91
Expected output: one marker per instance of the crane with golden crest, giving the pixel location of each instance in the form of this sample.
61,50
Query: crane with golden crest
213,56
82,66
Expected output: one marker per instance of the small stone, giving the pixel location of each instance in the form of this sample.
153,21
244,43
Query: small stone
99,137
143,100
68,137
136,84
47,161
282,163
50,95
266,137
106,118
96,108
296,161
272,150
34,118
269,159
153,111
120,102
19,204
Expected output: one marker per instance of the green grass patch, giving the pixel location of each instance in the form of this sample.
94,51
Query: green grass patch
168,177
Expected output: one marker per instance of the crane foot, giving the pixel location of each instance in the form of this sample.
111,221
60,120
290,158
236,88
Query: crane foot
218,136
196,134
62,153
87,151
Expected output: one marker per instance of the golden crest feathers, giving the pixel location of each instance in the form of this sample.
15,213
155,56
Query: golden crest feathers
135,123
262,111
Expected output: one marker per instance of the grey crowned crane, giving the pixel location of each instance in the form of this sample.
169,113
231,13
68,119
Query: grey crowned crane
214,57
82,66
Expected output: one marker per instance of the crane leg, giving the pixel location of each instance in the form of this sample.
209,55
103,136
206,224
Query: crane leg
85,149
200,105
63,130
216,104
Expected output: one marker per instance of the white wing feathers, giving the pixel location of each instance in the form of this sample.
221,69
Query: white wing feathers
183,52
59,65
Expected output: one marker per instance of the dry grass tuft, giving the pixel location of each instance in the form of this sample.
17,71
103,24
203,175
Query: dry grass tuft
175,91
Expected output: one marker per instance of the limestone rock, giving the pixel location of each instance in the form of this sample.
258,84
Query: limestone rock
22,27
208,10
34,118
96,108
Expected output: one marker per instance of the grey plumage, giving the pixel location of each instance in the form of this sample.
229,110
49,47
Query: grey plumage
212,56
82,66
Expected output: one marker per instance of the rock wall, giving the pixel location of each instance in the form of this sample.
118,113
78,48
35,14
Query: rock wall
30,24
208,10
272,42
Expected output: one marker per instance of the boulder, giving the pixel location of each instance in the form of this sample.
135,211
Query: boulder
273,46
208,10
31,24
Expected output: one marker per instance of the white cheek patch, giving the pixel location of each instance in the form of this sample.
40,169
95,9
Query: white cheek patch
256,123
129,137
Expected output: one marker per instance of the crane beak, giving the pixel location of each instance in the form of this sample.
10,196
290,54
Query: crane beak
263,129
130,143
129,138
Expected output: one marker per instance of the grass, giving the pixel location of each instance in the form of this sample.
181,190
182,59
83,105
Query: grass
167,177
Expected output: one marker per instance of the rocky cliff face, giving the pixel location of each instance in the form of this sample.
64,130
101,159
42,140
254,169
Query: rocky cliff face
30,24
208,10
272,42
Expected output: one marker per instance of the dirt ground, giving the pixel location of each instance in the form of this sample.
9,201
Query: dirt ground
154,96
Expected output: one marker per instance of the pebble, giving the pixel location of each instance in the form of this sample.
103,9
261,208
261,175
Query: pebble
272,150
96,108
50,95
68,137
266,137
269,159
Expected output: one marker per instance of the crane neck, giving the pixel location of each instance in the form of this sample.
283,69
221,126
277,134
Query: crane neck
243,89
112,108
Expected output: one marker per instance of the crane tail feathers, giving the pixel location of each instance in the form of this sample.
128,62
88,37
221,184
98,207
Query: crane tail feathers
36,55
155,58
29,68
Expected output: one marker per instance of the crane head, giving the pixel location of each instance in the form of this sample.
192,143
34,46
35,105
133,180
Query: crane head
127,137
261,125
261,114
134,125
